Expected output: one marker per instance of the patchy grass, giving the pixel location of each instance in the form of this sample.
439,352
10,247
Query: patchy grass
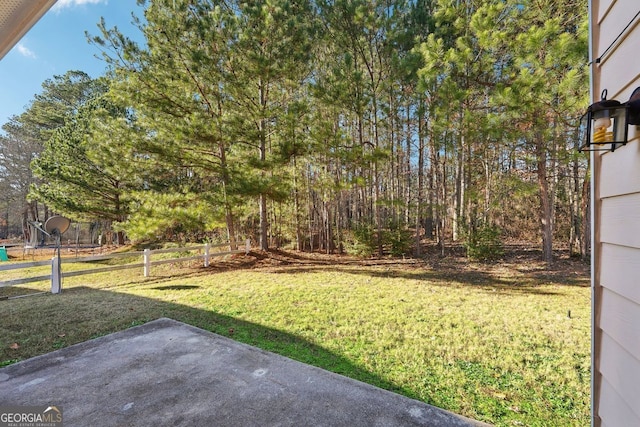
506,343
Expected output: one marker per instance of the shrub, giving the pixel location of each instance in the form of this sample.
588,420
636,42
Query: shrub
361,241
398,241
484,244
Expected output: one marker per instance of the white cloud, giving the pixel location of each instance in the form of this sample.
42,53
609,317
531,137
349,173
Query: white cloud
61,4
25,51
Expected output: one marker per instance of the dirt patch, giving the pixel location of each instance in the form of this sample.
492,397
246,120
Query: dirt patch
518,262
19,253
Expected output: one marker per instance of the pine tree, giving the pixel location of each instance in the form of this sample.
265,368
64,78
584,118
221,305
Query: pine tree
83,175
264,76
27,133
174,86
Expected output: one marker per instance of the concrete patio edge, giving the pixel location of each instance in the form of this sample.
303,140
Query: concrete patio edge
166,372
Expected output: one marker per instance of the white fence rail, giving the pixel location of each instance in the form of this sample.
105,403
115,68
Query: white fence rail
57,272
6,283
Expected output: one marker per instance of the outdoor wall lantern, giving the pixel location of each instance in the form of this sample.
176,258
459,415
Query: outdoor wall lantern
607,122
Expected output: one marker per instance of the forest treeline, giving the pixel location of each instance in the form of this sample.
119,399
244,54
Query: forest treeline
335,125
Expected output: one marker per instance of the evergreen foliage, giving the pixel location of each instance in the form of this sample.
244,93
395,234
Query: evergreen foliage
26,135
309,123
80,178
399,241
483,243
361,241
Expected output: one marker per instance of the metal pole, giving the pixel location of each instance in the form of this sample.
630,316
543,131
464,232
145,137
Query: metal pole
56,273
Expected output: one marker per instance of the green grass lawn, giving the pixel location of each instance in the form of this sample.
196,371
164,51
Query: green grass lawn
507,344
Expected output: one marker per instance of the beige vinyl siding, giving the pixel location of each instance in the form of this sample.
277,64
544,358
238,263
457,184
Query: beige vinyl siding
615,411
627,382
621,272
620,69
609,14
613,181
616,245
620,320
621,220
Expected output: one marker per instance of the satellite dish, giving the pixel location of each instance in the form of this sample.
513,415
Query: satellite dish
57,225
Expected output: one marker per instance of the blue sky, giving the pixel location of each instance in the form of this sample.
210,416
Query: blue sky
57,44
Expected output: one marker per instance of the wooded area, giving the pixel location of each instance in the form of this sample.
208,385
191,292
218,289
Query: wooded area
346,125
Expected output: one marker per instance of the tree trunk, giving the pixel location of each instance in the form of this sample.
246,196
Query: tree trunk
376,179
328,227
407,168
545,211
575,237
296,207
264,220
458,199
231,231
420,189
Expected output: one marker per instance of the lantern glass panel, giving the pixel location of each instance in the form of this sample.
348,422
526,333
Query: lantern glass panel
609,126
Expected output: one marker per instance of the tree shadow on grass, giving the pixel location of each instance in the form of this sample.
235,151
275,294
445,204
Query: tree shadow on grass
40,324
482,281
175,287
516,274
509,277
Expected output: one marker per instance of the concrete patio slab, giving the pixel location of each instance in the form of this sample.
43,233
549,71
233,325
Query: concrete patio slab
167,373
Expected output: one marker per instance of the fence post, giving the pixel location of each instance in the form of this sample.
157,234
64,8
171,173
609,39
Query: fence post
147,262
56,273
247,247
206,254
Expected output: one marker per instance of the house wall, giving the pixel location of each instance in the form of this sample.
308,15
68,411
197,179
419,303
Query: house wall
616,223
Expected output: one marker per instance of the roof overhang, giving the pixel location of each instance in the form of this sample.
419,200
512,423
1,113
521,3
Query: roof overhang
16,18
